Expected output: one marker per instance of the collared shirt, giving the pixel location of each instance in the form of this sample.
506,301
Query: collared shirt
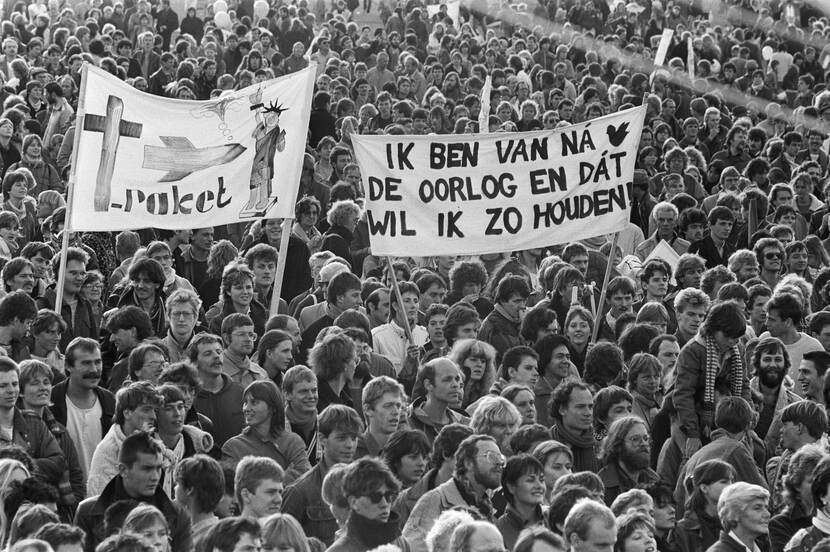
390,341
741,543
243,371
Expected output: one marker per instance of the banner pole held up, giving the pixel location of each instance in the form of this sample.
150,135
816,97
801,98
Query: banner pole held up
752,221
394,278
287,224
604,287
70,188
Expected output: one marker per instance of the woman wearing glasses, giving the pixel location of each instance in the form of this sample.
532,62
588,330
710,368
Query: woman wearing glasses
264,433
370,488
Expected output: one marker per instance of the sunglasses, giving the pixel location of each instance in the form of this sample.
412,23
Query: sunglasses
376,496
771,256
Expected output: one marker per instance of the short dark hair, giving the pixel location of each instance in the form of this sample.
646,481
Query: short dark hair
809,413
149,267
140,442
733,414
225,533
447,441
517,466
402,443
128,317
788,307
509,286
57,534
205,477
726,317
561,396
17,305
528,435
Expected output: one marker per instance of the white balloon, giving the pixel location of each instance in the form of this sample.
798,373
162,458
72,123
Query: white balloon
261,8
220,6
222,20
766,52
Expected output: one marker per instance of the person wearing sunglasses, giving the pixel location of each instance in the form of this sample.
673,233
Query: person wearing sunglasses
370,488
770,255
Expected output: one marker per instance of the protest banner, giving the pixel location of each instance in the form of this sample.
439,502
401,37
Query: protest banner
452,8
663,48
479,194
149,161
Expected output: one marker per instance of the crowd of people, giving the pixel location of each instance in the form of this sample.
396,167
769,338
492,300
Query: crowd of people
471,403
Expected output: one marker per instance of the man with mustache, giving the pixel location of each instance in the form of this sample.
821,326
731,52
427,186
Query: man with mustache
80,403
770,364
625,454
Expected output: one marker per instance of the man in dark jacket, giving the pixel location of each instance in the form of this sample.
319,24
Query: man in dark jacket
220,399
80,320
25,428
140,471
501,328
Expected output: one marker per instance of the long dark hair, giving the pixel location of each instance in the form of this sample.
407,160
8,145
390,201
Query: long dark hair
268,392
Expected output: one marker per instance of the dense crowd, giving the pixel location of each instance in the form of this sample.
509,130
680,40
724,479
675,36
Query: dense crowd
497,403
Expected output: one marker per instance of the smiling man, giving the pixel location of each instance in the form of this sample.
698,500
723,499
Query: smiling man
784,316
390,339
80,403
75,310
239,335
770,364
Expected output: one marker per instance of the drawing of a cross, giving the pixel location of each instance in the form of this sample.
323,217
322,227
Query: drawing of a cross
113,127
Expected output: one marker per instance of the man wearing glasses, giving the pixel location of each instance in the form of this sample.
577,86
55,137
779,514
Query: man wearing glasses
240,337
625,455
478,468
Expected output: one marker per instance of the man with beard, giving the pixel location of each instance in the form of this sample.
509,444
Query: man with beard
735,154
770,364
383,400
478,468
443,382
691,305
784,317
731,442
626,453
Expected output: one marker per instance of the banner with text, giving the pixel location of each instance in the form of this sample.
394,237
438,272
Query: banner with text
147,161
476,194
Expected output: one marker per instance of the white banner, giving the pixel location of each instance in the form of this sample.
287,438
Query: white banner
663,47
452,9
147,161
491,193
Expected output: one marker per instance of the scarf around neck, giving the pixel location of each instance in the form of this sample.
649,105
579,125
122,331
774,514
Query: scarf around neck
713,365
584,439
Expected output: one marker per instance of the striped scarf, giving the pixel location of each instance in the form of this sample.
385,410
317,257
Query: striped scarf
713,364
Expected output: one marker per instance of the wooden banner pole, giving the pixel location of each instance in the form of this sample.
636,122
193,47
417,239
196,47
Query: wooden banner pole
70,188
287,225
394,279
601,306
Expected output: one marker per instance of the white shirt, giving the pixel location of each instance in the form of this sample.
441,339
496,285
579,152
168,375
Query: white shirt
805,344
390,341
84,427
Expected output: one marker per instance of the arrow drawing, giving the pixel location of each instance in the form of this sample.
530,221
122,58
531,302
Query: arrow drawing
180,158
